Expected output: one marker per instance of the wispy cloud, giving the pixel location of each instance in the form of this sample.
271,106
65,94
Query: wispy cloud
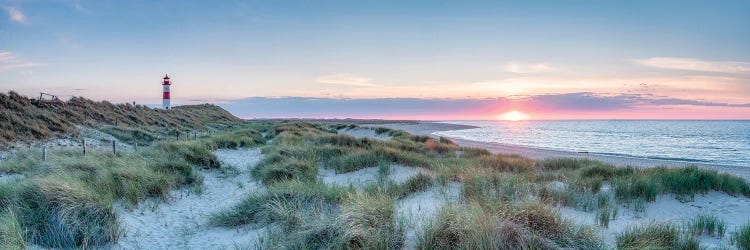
9,61
526,68
694,64
345,79
15,15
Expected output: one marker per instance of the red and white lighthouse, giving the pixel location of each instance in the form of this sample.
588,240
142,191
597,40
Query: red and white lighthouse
165,103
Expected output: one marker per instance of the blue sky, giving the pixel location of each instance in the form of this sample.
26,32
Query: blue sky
231,52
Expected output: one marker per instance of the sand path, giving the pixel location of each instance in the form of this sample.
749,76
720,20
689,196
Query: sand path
182,222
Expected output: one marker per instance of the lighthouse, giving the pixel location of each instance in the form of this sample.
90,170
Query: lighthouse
165,103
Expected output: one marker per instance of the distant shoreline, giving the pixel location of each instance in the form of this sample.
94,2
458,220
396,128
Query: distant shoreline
429,128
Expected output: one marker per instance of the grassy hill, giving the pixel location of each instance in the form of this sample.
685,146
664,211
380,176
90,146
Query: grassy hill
26,119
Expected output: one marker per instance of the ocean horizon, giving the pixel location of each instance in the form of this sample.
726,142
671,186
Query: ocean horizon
719,142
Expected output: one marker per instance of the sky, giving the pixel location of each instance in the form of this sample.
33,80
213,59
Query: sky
433,60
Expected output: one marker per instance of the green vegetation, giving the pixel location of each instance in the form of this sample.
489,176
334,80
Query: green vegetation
505,226
505,201
707,224
633,183
741,238
655,236
67,201
25,119
130,135
237,138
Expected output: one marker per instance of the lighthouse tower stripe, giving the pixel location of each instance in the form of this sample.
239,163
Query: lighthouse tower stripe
166,102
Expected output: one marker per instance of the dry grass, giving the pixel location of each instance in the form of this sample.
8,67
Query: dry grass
25,119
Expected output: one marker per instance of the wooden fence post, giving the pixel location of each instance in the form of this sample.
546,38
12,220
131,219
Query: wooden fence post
84,147
114,147
135,146
44,152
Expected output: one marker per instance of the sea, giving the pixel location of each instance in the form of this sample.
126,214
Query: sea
721,142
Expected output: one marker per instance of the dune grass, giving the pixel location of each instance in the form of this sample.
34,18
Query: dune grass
504,203
658,235
26,119
632,183
497,190
236,138
504,226
741,237
67,201
708,224
130,135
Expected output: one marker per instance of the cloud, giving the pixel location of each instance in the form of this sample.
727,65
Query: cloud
521,68
581,102
15,14
9,61
693,64
345,79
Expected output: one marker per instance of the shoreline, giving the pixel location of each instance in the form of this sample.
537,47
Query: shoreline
430,128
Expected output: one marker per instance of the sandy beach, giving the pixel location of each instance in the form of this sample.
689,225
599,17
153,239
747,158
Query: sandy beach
429,128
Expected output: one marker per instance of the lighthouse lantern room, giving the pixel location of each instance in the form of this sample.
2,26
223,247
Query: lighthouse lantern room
165,103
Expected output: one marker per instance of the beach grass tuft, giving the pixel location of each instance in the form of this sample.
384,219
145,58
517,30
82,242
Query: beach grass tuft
741,237
657,235
709,224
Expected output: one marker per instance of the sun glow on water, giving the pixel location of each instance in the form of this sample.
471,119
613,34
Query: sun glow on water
513,115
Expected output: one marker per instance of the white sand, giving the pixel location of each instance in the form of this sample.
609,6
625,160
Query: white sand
182,222
365,176
362,132
734,210
418,209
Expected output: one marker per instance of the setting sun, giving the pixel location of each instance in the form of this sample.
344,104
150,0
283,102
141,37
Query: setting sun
513,115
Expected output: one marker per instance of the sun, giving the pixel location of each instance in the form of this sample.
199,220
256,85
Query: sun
513,115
